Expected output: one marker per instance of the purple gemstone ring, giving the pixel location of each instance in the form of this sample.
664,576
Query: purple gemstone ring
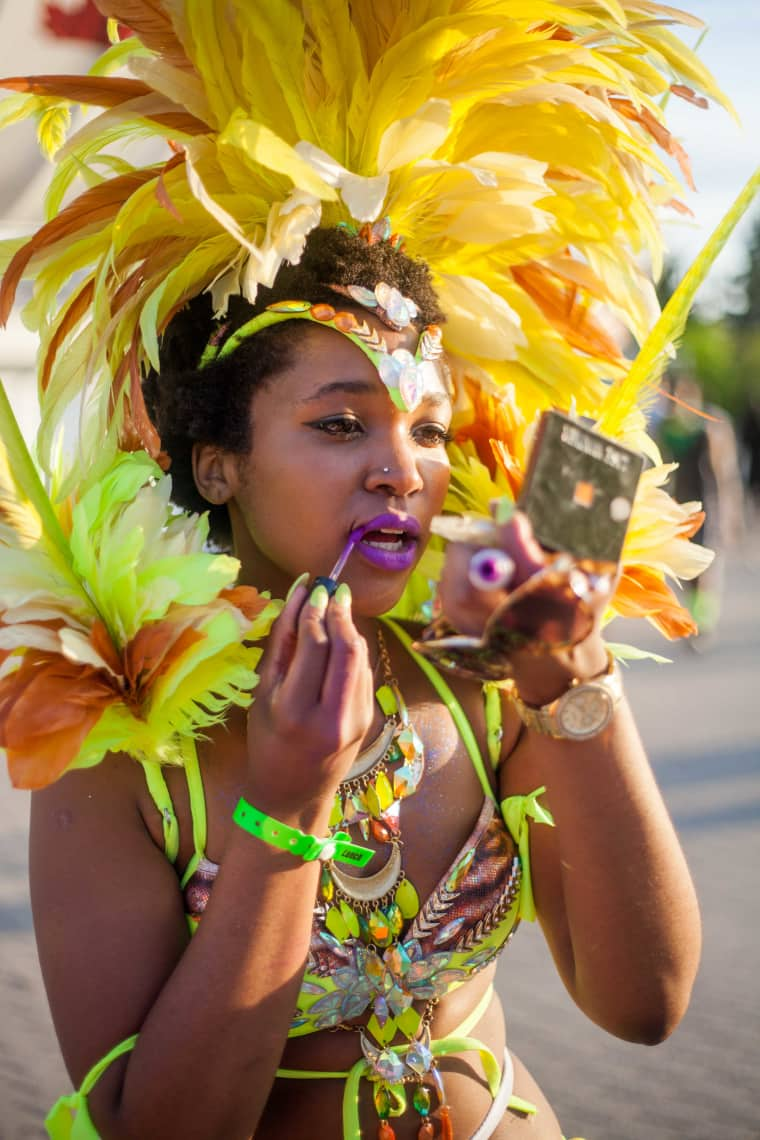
490,569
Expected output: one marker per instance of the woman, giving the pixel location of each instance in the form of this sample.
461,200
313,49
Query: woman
312,420
325,450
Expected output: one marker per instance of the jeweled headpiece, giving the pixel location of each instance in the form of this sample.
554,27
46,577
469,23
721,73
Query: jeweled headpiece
407,376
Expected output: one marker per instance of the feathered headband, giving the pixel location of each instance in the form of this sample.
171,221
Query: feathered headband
518,145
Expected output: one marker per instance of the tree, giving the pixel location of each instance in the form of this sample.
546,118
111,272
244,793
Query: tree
748,317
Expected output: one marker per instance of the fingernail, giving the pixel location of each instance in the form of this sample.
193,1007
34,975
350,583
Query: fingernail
502,510
343,595
319,599
298,582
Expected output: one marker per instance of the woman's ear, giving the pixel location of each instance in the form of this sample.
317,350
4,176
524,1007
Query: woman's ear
215,472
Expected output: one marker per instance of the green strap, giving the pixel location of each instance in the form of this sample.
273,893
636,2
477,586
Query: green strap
159,792
69,1118
462,1030
97,1070
337,846
452,704
494,730
516,812
491,1067
161,797
197,806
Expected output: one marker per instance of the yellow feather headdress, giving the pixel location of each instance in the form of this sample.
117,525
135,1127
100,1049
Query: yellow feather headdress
519,146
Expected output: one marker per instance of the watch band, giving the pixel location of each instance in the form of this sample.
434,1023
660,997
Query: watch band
590,703
339,846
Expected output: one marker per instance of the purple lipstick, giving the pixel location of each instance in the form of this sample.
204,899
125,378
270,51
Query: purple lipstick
389,541
386,541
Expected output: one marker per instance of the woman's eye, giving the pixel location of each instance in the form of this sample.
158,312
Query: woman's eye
342,426
432,435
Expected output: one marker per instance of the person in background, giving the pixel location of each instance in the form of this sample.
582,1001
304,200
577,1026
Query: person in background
702,441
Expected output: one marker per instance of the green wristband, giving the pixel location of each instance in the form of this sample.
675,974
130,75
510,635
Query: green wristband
338,847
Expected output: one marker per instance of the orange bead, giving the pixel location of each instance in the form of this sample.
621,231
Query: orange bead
322,312
380,831
345,322
447,1128
426,1130
384,1131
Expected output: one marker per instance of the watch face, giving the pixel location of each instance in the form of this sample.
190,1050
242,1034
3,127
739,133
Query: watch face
584,711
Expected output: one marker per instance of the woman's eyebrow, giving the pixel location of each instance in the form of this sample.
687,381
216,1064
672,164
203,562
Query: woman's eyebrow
366,387
436,399
351,387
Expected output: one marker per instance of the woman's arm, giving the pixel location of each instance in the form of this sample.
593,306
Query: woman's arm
213,1015
612,889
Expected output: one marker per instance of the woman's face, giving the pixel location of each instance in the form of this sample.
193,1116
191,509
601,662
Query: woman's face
330,453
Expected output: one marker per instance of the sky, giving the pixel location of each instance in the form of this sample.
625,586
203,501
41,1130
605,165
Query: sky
723,153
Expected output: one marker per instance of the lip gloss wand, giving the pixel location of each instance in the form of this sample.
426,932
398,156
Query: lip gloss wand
330,582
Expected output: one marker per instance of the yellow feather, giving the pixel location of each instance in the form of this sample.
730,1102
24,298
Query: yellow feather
24,504
274,43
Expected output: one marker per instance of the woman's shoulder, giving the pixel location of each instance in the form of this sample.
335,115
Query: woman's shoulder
111,797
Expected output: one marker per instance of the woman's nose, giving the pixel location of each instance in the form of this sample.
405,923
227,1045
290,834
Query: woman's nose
396,471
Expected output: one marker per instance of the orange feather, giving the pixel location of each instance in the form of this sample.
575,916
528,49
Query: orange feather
563,304
642,592
91,209
71,317
48,706
93,90
149,20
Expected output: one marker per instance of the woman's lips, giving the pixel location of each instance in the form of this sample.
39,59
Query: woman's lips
388,541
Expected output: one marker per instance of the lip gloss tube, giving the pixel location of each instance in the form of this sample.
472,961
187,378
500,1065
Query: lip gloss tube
330,582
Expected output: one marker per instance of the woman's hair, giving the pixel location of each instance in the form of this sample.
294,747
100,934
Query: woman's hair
191,405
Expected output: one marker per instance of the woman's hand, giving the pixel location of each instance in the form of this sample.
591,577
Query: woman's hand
541,672
313,706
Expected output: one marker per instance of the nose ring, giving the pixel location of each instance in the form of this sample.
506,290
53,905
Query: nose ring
386,470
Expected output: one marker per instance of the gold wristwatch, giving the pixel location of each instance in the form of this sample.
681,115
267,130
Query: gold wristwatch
581,712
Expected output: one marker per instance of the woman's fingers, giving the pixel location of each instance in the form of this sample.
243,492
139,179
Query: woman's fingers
322,706
468,599
516,539
302,682
281,643
347,687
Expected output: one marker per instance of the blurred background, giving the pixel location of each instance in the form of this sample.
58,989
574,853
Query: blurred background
699,715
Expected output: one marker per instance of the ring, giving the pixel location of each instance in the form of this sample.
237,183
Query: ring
490,569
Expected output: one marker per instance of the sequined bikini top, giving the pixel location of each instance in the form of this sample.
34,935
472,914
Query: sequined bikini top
459,930
383,971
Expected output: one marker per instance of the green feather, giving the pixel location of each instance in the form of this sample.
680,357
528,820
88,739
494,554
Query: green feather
27,477
656,351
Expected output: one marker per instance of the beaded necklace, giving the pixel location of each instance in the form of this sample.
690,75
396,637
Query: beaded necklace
375,908
369,914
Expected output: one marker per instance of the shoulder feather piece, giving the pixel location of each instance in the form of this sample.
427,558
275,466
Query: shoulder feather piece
117,632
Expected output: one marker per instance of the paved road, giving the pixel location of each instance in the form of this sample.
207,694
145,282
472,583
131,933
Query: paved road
700,718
